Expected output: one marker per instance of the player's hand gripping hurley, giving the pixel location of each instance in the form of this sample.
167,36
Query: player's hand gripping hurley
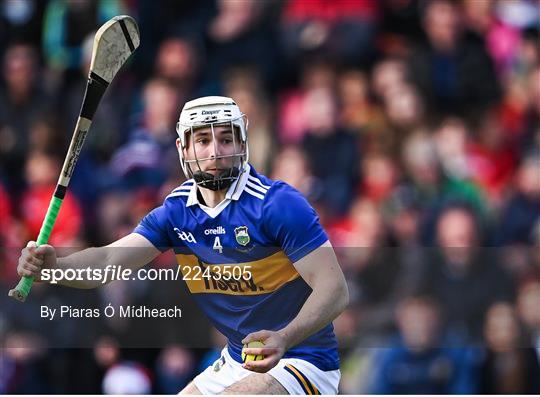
113,44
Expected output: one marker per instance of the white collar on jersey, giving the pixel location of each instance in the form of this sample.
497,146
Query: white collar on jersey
234,193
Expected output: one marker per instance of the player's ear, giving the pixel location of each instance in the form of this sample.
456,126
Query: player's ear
179,145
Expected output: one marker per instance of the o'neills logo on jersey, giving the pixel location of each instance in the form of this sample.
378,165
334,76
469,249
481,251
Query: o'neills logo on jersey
217,230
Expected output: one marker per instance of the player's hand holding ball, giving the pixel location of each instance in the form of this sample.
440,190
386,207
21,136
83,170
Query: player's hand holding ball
262,350
251,357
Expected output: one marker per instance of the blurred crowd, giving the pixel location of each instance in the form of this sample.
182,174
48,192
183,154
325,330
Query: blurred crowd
412,126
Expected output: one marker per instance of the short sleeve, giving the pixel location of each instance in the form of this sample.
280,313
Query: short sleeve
291,222
153,227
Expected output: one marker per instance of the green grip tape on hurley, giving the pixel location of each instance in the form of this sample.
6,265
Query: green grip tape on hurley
25,284
50,219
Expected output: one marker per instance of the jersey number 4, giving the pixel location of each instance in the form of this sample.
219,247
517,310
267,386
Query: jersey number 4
217,245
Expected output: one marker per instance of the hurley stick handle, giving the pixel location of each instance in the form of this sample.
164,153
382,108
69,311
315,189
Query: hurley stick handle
21,291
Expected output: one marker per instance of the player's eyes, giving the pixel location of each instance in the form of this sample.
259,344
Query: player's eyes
206,141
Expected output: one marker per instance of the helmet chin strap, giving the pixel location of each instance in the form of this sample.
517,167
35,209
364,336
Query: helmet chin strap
220,181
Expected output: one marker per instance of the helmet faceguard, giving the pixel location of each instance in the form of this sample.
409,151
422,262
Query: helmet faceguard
208,113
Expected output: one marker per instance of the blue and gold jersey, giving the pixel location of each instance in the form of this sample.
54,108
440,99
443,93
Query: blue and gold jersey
263,227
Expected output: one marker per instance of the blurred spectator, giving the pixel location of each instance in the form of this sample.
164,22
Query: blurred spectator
379,177
20,21
528,56
451,140
45,136
371,268
142,202
292,126
353,94
23,365
178,63
463,277
402,215
419,362
379,275
528,300
518,111
363,227
112,216
502,40
400,26
150,155
346,330
492,158
358,113
239,34
404,109
331,150
510,365
246,87
387,78
67,23
523,209
22,102
531,128
488,160
106,352
535,262
387,74
42,172
341,30
291,166
513,109
172,19
454,74
427,185
175,369
233,20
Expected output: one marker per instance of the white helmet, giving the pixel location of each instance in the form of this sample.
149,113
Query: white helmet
208,112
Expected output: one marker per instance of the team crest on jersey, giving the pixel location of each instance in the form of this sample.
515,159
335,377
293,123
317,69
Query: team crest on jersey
242,236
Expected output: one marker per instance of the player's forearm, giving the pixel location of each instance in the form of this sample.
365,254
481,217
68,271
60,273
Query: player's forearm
324,304
96,265
94,258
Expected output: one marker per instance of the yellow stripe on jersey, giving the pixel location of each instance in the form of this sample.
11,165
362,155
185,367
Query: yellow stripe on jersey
267,275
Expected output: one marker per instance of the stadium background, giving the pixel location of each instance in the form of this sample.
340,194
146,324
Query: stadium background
411,126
